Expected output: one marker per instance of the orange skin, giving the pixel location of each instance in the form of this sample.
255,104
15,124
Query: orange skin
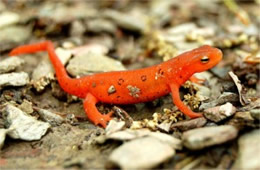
129,87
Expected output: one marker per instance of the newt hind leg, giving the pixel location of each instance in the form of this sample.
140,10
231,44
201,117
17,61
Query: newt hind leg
93,114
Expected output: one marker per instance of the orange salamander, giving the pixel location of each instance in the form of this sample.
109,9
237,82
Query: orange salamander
133,86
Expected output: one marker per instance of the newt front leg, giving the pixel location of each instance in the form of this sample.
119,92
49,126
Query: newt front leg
177,101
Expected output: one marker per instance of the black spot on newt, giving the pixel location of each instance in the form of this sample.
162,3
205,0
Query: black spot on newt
120,81
143,77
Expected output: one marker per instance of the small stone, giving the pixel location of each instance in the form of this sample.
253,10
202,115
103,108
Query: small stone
15,34
216,114
14,79
8,18
182,29
165,138
255,113
77,28
249,151
128,134
222,99
26,106
142,153
100,25
114,126
50,117
3,133
87,63
10,64
130,21
208,136
23,126
189,124
242,120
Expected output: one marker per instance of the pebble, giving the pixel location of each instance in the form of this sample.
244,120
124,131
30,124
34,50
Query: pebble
66,13
255,113
175,143
23,126
77,28
216,114
130,21
26,107
101,25
242,120
3,133
182,29
142,153
189,124
10,64
222,99
249,151
50,117
114,126
87,63
130,134
208,136
14,79
8,18
16,34
2,6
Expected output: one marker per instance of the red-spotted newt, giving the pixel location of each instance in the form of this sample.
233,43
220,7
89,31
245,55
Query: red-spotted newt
133,86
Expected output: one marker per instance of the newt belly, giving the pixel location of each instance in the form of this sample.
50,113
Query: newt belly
133,86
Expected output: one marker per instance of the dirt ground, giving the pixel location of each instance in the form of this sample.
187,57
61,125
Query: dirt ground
136,34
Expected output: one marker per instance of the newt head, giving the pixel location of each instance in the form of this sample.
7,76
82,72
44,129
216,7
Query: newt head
203,58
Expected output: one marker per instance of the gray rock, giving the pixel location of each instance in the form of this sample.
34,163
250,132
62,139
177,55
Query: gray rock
216,114
52,118
101,25
222,99
114,126
23,126
165,138
189,124
64,13
255,113
26,106
2,6
128,134
249,151
141,153
14,79
208,136
8,18
3,133
242,120
17,34
10,64
87,63
128,21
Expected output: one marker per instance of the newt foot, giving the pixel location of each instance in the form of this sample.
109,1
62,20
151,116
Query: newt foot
103,119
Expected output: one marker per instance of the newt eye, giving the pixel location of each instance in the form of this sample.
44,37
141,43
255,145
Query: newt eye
204,59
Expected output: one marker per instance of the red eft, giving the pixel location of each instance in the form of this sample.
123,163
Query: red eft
133,86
